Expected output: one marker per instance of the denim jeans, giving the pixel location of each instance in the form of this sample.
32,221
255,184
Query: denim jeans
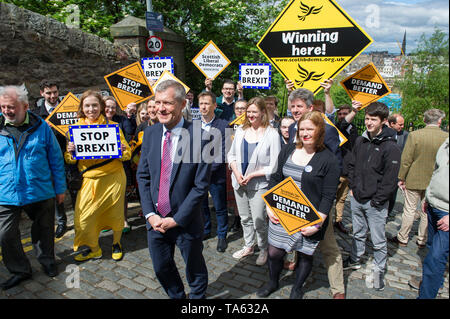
219,196
365,218
433,266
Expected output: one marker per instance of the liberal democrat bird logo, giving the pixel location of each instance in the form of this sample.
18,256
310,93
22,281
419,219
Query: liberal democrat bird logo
308,10
305,76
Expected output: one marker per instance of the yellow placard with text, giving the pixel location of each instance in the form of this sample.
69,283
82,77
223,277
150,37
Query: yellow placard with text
291,206
129,85
210,60
366,85
65,114
312,40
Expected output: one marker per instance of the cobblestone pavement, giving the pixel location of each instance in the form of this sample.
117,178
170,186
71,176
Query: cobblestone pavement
134,278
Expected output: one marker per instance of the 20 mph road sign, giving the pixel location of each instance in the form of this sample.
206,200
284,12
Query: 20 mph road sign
154,44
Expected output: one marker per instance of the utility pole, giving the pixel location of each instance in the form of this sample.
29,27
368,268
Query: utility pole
150,9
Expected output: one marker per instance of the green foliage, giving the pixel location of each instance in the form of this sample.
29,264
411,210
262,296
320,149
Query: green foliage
426,81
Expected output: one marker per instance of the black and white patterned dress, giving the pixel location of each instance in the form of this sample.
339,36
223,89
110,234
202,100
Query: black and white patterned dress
278,237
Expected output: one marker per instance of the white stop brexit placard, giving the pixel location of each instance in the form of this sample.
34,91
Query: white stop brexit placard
155,67
96,141
255,75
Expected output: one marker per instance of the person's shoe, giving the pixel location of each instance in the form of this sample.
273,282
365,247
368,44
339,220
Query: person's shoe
244,252
60,231
117,253
348,264
339,295
341,227
421,246
289,265
414,283
378,281
267,289
236,224
14,281
50,270
206,236
262,257
106,230
396,241
88,254
296,293
222,245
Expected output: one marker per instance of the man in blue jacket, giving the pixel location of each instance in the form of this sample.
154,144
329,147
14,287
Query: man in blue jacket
32,176
215,128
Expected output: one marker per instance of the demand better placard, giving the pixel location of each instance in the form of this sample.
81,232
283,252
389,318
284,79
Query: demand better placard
96,141
65,114
291,206
366,85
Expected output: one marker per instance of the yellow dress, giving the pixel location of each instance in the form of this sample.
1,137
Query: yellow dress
101,199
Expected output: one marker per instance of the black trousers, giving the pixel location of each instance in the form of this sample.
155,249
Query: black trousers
42,215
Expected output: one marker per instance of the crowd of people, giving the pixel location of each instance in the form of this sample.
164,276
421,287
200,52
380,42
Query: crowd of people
166,170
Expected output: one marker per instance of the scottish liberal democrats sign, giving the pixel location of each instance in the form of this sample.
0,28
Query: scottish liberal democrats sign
312,40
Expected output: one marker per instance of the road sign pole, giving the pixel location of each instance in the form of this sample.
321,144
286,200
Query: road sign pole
150,9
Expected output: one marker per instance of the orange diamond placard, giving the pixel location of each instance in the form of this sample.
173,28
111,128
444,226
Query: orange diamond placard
65,114
312,40
129,85
291,206
366,85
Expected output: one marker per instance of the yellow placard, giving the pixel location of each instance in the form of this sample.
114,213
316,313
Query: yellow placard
366,85
342,138
210,60
291,206
129,85
312,40
239,120
64,114
169,76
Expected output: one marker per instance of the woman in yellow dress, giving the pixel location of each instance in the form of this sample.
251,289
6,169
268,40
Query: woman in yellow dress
100,201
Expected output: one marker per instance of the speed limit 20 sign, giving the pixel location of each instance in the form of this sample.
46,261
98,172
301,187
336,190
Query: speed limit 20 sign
154,44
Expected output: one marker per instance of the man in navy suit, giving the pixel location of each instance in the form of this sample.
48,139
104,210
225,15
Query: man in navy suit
173,181
214,128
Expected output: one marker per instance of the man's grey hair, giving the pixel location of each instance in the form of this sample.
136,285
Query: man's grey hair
432,116
303,94
19,91
180,92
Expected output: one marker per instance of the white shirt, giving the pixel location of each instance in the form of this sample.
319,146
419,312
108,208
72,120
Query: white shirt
174,136
207,125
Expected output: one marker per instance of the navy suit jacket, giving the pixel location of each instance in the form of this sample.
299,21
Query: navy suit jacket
331,140
188,183
219,168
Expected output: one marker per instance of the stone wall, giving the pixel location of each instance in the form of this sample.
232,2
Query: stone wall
34,47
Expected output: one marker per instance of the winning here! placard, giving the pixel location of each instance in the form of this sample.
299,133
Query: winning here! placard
312,40
291,206
96,141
